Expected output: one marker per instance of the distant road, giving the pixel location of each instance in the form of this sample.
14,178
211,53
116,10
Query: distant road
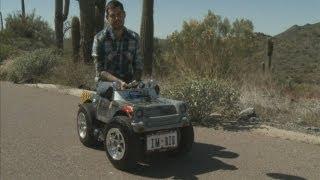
39,141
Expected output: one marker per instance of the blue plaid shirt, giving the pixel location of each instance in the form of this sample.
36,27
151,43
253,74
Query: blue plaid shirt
122,58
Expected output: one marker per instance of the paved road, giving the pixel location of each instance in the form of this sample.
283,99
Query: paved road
39,141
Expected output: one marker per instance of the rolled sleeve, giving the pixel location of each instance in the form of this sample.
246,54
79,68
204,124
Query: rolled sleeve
95,47
97,56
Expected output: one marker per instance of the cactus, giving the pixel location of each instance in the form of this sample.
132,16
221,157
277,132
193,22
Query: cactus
23,14
270,51
1,21
61,14
146,33
87,28
100,14
75,35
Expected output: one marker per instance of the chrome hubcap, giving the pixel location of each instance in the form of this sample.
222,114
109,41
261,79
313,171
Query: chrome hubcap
115,143
82,125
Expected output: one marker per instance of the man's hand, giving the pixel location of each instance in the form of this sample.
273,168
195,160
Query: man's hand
123,85
106,76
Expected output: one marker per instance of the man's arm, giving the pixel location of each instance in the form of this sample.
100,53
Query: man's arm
104,75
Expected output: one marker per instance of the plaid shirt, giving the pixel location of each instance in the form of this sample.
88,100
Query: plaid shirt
122,58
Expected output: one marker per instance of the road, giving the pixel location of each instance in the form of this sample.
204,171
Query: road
39,141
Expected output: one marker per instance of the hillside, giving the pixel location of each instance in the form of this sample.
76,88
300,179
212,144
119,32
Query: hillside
296,54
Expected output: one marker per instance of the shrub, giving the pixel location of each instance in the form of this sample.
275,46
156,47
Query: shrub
73,74
204,97
32,29
33,66
215,42
6,51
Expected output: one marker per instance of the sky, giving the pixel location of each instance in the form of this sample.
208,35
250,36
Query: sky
268,16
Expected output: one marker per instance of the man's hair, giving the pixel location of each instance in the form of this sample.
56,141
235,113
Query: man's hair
114,4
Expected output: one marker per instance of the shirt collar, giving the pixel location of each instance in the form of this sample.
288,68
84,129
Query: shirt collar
125,33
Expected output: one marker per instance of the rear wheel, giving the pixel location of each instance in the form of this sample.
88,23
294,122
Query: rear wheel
122,145
85,127
186,142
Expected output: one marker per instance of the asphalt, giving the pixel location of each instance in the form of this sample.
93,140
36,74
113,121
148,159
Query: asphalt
39,141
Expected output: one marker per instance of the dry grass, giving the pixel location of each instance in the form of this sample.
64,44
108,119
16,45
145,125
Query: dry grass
274,103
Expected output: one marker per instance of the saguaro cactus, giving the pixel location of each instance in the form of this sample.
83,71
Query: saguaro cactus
100,14
61,14
23,14
87,28
146,33
270,51
1,21
75,35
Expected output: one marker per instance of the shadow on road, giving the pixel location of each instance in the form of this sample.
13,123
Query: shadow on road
201,160
284,176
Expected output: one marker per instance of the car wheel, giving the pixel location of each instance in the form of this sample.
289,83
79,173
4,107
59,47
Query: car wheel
85,127
186,142
122,145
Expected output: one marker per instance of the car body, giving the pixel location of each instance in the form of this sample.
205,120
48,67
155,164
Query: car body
157,123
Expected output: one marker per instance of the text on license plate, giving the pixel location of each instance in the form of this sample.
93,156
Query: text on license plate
165,140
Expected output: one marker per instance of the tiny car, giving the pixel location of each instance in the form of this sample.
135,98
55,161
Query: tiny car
133,122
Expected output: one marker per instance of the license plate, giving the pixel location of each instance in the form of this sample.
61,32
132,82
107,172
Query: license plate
163,140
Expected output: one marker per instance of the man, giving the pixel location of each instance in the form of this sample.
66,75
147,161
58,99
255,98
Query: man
116,50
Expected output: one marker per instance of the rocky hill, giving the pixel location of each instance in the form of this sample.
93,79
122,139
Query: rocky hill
296,54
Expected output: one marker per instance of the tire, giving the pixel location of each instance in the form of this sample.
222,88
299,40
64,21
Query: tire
85,126
186,142
129,145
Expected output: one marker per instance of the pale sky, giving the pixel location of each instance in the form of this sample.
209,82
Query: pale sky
268,16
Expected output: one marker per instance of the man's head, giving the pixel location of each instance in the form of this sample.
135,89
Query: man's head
115,14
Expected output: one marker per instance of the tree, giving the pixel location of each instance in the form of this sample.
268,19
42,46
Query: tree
61,14
146,32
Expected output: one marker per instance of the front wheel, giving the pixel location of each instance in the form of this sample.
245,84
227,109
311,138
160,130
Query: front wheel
121,144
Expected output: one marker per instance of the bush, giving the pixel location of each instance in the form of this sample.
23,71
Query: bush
33,66
204,97
32,31
79,75
6,51
219,45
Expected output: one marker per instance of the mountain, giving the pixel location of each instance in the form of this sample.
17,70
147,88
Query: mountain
296,54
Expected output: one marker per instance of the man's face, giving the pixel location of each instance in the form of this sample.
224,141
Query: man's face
116,18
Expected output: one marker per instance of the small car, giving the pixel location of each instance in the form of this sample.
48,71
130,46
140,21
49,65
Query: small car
133,122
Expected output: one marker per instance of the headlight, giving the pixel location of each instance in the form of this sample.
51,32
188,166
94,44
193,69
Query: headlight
183,108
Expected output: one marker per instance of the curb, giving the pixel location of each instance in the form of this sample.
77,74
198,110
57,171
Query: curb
60,89
264,129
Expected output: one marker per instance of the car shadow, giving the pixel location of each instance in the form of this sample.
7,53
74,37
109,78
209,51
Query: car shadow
284,176
202,159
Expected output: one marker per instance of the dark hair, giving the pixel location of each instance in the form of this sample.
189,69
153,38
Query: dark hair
114,4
